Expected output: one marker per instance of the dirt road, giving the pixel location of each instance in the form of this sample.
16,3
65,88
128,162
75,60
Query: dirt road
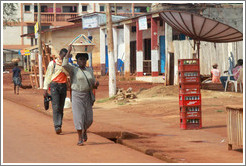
153,116
29,137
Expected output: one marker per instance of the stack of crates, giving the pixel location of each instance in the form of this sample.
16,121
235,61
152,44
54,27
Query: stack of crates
189,94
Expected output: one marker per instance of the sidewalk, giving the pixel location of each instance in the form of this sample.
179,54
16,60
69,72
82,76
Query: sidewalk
147,132
29,137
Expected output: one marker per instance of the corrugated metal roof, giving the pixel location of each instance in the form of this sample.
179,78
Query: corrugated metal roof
54,29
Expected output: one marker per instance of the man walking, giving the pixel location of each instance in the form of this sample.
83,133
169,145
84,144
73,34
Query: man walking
56,79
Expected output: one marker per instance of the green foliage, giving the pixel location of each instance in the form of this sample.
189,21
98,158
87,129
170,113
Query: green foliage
9,13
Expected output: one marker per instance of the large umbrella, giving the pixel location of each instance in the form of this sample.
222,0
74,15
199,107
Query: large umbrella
200,28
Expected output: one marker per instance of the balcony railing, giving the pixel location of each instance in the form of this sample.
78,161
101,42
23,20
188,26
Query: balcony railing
52,17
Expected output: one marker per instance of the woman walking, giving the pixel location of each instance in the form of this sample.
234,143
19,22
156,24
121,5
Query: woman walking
16,78
82,83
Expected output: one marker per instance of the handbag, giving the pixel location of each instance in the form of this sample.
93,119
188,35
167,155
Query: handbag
92,96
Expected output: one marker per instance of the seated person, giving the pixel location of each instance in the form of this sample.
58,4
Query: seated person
215,74
235,72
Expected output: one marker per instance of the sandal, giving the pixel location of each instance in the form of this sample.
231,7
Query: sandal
85,136
80,143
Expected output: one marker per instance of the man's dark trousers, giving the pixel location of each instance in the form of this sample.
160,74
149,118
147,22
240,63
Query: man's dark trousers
58,94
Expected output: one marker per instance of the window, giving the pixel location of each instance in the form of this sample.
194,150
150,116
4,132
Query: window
119,8
140,9
27,8
134,29
69,9
45,27
30,29
44,9
101,8
84,8
35,8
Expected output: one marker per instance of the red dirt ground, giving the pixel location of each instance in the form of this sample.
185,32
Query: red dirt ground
155,116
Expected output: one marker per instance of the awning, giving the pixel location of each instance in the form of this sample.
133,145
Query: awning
200,28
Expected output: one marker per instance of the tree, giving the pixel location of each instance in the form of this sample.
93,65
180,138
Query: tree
9,13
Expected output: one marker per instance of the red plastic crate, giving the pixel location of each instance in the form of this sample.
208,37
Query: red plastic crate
189,74
187,123
196,108
190,99
189,79
191,88
189,68
182,62
190,114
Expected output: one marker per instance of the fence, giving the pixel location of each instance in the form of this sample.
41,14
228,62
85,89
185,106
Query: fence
210,53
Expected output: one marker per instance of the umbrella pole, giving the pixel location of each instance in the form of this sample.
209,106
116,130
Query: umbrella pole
198,49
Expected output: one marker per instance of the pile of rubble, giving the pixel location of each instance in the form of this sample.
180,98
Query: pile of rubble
123,95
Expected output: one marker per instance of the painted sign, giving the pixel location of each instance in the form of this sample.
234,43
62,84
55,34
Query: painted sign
27,52
142,21
90,22
36,30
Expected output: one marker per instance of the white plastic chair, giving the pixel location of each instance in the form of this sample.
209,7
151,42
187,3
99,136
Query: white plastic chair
240,79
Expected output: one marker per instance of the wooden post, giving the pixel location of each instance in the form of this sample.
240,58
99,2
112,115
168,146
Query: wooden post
54,11
115,9
133,9
112,75
40,48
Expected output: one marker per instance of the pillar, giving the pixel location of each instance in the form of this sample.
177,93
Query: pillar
54,12
139,43
168,40
102,50
127,49
115,38
80,9
90,54
154,48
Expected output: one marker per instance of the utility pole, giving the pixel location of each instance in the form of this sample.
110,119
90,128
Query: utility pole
111,62
115,9
40,65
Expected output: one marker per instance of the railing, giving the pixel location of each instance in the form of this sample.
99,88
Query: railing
64,16
50,17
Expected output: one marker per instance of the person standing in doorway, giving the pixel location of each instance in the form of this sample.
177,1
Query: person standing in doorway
82,84
16,78
56,79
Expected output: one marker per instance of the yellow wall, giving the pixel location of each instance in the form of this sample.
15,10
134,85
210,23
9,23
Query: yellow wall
61,38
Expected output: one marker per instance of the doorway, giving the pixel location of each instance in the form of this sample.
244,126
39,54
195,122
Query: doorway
147,57
171,78
133,57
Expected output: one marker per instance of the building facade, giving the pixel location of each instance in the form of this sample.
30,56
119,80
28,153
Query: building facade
152,52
